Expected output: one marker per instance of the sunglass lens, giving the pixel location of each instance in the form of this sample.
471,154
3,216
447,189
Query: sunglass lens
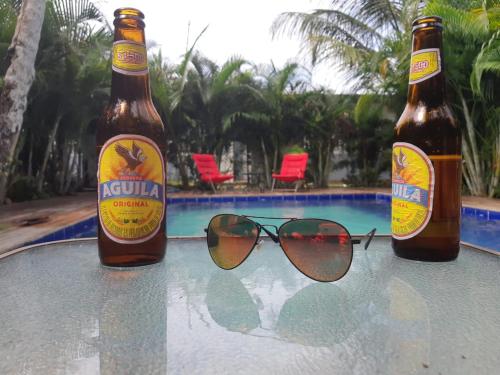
230,239
320,249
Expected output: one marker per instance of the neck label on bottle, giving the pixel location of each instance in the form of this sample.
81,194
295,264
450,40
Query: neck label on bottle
131,195
424,64
130,58
412,190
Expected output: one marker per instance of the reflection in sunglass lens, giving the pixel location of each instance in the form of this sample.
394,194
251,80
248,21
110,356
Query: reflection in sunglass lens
320,249
230,239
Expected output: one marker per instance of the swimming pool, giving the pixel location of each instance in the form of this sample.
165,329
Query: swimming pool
358,216
358,212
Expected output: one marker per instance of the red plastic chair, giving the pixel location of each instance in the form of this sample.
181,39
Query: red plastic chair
293,169
208,170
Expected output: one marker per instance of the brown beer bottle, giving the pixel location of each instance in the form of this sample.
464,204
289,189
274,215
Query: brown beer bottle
131,156
426,158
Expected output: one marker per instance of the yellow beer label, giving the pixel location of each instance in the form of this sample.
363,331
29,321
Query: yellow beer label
412,190
131,198
424,64
129,57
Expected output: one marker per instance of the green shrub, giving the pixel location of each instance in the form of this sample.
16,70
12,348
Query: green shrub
23,189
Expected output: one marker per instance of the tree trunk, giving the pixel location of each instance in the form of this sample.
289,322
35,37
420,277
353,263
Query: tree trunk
17,82
266,163
495,177
15,164
73,156
182,172
30,157
328,166
473,167
40,176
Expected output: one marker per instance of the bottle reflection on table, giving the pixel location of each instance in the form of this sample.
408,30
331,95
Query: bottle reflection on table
133,322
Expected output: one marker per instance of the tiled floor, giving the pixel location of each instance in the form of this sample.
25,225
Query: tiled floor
65,211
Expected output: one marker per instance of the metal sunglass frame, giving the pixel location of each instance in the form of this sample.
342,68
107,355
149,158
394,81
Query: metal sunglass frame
276,238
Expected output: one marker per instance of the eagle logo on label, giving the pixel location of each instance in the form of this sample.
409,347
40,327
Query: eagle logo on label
131,197
134,157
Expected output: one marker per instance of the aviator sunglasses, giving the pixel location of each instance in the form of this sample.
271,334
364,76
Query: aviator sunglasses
320,249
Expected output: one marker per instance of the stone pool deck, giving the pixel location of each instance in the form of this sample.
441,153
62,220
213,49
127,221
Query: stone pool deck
59,212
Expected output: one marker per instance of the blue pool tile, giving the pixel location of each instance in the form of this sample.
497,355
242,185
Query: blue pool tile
383,197
69,232
313,197
481,214
276,197
253,199
493,215
59,235
469,211
335,196
175,200
202,199
48,238
190,200
300,197
289,197
241,199
324,197
349,197
78,227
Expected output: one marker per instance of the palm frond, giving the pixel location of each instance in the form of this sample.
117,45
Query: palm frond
377,13
327,49
327,23
227,70
183,72
284,77
487,61
470,26
75,17
11,4
252,117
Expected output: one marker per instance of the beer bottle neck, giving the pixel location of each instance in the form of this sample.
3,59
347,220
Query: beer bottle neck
130,78
427,81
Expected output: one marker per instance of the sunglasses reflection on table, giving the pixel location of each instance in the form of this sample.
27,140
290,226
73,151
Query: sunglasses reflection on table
321,249
319,314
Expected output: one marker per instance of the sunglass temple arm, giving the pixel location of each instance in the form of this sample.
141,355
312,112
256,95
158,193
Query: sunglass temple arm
370,238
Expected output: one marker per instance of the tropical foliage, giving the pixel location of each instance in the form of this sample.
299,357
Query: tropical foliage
370,40
72,78
267,110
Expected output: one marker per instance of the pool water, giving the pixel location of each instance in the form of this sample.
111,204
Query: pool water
359,214
359,217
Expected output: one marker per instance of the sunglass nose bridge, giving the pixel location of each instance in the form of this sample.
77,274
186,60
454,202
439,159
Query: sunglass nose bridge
269,233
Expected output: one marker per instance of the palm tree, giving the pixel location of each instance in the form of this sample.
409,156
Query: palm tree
266,114
473,67
194,99
370,40
353,33
17,81
72,70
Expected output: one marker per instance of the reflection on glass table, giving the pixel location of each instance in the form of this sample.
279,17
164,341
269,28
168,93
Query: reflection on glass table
62,312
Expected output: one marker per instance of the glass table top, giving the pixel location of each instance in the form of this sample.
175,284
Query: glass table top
61,312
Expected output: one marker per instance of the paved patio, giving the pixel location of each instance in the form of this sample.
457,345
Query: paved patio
59,212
